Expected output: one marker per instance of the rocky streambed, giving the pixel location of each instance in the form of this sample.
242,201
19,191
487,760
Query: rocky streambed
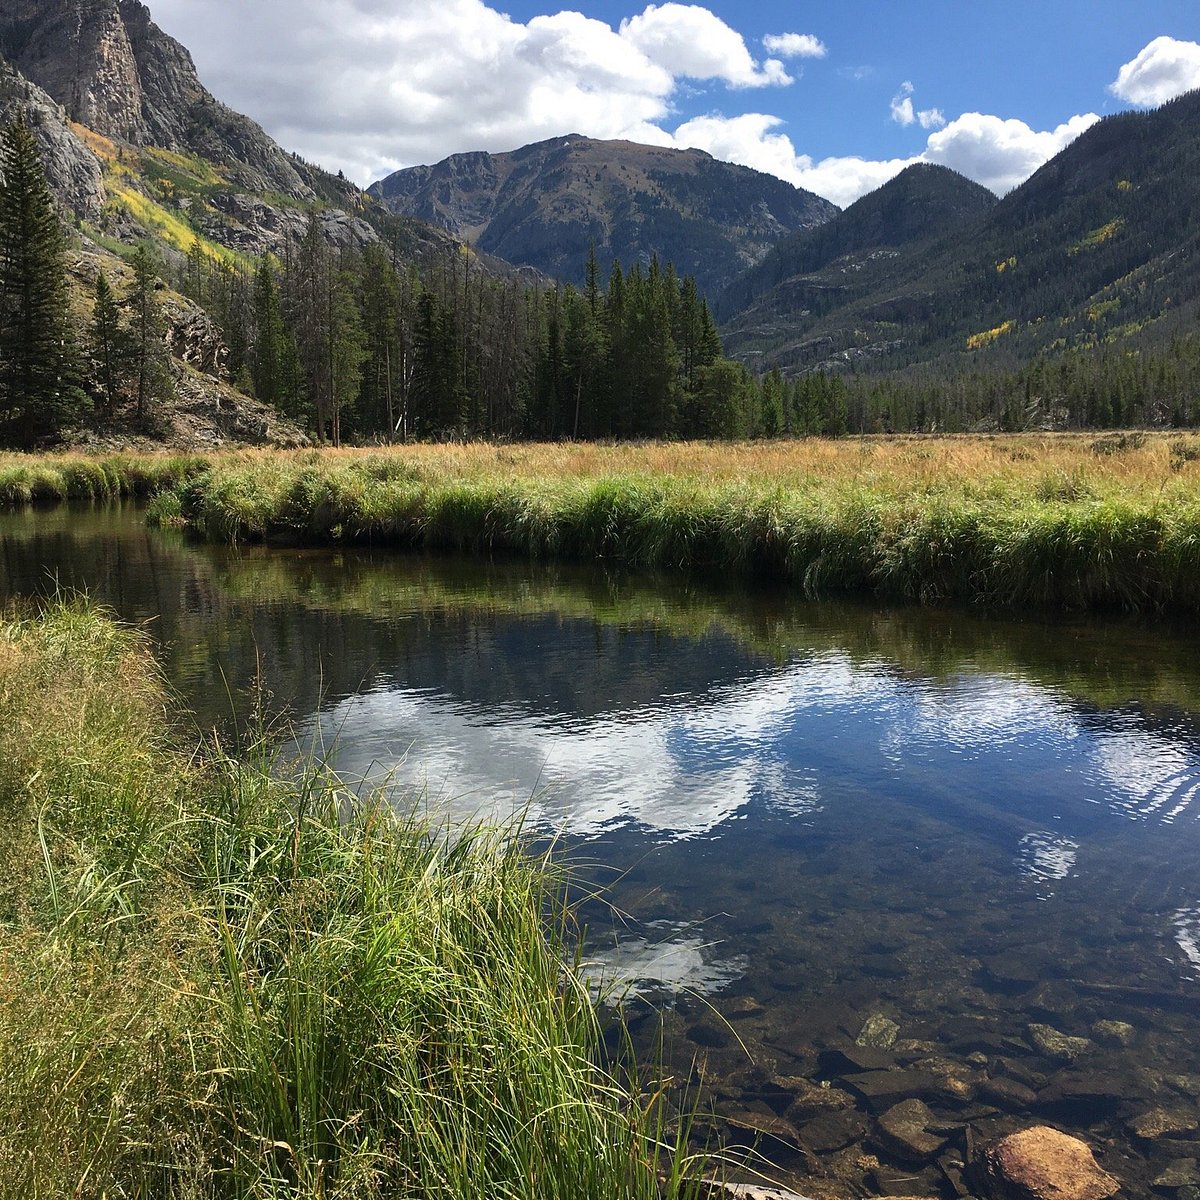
866,1106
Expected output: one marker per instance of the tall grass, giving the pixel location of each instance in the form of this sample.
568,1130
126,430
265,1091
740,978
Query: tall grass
1062,523
43,479
1052,521
222,979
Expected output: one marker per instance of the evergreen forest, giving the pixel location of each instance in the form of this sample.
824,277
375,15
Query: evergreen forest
364,346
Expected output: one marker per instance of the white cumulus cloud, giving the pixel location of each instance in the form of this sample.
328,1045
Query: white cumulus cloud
795,45
1164,69
367,86
690,41
1000,154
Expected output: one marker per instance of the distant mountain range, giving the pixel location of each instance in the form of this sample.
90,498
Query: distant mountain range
1099,247
547,205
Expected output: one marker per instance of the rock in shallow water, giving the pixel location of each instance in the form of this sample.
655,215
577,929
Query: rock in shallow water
879,1032
904,1132
1059,1046
1114,1034
1044,1164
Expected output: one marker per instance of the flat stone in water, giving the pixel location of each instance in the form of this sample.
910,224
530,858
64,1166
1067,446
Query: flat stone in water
811,1100
764,1124
1007,1093
1114,1034
882,1089
1179,1174
1162,1122
903,1132
833,1131
854,1059
1059,1046
1095,1087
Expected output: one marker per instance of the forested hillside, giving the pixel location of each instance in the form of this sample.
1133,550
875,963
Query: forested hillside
1098,248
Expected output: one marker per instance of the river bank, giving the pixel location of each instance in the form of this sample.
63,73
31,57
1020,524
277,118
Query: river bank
220,978
1055,522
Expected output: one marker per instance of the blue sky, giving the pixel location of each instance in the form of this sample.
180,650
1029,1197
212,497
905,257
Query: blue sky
859,90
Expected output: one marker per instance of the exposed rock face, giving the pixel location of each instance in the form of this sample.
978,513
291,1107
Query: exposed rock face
545,205
73,171
113,70
1043,1164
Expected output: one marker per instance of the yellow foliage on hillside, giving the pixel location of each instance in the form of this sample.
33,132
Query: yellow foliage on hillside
174,231
105,149
1006,264
978,340
1098,237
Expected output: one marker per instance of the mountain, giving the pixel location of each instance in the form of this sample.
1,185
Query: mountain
1101,246
547,204
136,146
922,202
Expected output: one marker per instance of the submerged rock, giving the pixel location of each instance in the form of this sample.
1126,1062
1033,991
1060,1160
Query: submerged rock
879,1032
1044,1164
1059,1046
1007,1093
1182,1173
833,1131
1114,1034
1162,1122
904,1132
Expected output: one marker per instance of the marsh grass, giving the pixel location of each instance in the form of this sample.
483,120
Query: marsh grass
219,978
1050,521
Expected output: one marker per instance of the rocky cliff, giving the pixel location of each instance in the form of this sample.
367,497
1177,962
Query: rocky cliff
546,204
115,72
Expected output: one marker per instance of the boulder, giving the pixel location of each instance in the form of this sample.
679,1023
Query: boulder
1044,1164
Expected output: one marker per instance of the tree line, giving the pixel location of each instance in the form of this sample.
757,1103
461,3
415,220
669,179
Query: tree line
364,346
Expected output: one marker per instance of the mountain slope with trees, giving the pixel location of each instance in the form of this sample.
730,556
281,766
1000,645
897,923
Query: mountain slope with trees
1098,248
546,205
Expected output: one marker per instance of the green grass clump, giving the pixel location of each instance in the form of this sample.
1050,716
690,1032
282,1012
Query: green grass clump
39,479
220,978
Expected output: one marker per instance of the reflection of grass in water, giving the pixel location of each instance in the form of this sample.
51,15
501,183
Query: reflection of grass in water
218,979
1066,522
1101,664
1049,522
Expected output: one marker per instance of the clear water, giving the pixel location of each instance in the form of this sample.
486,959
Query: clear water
803,815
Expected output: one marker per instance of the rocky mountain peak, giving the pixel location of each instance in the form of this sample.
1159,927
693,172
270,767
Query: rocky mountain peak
546,204
114,71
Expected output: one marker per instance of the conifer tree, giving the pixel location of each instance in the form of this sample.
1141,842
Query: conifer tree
109,346
39,381
148,358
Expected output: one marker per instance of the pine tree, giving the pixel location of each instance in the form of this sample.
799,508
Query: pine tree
149,359
109,346
39,381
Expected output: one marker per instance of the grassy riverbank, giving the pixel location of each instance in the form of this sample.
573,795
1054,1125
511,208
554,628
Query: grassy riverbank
1053,521
219,981
1056,522
48,479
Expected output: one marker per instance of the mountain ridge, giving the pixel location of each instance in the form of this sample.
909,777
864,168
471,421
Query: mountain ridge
1100,245
547,204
